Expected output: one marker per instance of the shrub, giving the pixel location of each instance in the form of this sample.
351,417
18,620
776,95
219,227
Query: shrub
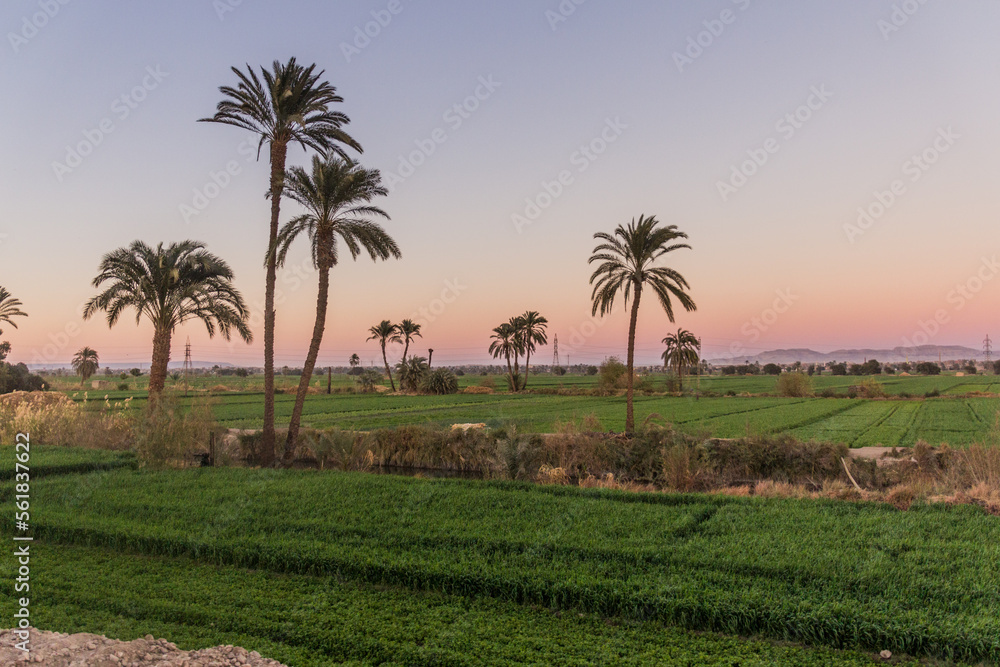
794,385
19,378
488,382
933,393
971,369
613,374
135,372
440,381
123,386
558,370
870,388
369,379
928,368
54,419
593,370
166,436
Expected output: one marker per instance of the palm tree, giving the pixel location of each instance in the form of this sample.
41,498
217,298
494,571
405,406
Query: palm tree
505,344
411,373
336,194
286,105
683,349
627,264
86,362
169,286
9,308
385,332
409,330
532,332
354,362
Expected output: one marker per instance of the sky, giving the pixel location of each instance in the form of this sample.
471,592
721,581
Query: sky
834,165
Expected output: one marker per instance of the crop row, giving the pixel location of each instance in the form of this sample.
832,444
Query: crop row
46,460
844,575
306,621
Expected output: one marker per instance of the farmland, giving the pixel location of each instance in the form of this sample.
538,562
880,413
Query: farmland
959,411
463,572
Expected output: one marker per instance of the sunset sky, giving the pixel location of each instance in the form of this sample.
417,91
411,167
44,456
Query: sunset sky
763,130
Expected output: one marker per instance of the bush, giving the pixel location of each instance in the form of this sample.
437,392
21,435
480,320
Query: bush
123,386
19,378
558,370
971,369
613,374
593,370
166,436
369,379
838,369
772,369
440,381
794,385
135,372
928,368
996,367
870,388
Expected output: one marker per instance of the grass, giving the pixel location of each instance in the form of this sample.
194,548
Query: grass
308,621
857,575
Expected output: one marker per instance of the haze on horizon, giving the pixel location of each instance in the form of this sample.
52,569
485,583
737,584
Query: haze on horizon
834,167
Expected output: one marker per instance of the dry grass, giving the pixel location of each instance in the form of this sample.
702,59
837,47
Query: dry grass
54,419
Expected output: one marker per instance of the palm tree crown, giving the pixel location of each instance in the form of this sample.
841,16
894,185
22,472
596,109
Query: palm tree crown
531,330
408,331
9,308
169,286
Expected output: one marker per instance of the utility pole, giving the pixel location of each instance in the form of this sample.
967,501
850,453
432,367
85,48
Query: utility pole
988,349
555,351
187,363
430,355
329,379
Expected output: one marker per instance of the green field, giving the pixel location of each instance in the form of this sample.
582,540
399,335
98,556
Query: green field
323,568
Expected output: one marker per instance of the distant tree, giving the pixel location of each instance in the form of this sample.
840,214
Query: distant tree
411,373
811,370
85,362
592,370
889,369
928,368
838,369
797,366
772,369
970,369
354,362
558,370
385,332
905,367
683,349
729,370
871,367
612,372
506,344
440,381
408,331
855,369
135,372
531,328
996,367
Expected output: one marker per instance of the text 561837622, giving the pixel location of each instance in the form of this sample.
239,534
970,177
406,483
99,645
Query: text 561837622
22,540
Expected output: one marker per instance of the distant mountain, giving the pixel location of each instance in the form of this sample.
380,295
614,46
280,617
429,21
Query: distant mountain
144,365
857,356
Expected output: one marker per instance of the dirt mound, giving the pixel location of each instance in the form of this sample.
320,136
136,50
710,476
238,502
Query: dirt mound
35,399
55,649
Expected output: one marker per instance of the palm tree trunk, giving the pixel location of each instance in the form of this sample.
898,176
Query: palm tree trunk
158,366
517,374
322,298
385,360
278,153
406,348
629,414
527,362
510,375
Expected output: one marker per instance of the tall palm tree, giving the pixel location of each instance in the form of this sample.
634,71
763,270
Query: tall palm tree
169,286
336,194
386,332
9,308
627,264
532,332
86,362
354,362
408,330
683,349
289,104
505,344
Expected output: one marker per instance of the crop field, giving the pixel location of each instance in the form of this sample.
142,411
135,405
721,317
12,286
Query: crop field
427,570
